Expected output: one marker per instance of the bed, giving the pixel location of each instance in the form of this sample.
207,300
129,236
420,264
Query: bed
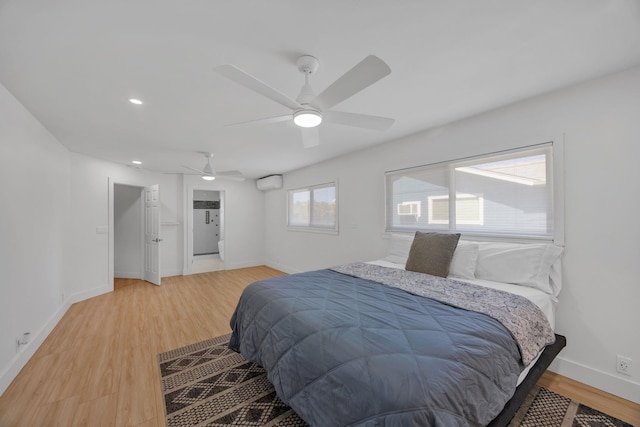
457,340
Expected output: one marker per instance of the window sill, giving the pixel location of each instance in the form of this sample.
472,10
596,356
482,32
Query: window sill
317,230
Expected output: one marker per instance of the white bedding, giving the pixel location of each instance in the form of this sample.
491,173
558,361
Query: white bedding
546,302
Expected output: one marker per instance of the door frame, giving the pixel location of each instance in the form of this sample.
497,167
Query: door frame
188,250
111,213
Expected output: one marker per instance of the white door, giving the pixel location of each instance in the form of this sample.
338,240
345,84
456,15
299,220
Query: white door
152,234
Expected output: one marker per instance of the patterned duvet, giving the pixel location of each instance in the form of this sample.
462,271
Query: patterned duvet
342,350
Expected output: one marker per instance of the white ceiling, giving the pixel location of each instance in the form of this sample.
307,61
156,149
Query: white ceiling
75,63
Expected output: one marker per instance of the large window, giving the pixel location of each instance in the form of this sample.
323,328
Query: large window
313,208
509,193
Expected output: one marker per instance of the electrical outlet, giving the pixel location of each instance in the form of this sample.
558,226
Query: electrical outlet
623,365
20,341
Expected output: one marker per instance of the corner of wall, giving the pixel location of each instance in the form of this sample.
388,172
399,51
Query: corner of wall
283,268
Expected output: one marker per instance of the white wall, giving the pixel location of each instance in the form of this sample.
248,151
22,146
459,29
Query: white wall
89,211
598,310
54,228
34,197
128,228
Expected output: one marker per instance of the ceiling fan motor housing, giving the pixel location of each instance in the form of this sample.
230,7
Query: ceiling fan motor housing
308,64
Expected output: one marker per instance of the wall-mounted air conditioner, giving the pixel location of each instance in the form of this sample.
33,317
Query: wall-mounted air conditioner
271,182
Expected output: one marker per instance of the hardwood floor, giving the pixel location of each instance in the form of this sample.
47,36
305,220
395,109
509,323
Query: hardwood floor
98,366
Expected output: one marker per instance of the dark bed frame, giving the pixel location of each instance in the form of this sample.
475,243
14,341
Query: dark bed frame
545,359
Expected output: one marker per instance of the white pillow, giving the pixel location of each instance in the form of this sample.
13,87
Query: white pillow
520,264
463,264
399,246
555,277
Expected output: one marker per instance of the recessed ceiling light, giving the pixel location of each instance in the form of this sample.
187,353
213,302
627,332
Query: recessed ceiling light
135,101
136,162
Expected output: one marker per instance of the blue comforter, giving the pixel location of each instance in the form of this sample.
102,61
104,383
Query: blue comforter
341,350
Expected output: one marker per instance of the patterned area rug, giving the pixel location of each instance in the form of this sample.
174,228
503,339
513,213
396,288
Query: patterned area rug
208,384
546,408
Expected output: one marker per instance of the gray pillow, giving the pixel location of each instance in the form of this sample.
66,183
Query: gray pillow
431,253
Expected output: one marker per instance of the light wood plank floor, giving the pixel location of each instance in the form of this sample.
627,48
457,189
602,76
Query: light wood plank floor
98,366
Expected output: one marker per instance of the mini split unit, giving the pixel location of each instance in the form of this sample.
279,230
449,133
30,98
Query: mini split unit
271,182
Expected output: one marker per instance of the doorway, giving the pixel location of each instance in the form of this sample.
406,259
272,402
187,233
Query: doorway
207,220
128,254
134,211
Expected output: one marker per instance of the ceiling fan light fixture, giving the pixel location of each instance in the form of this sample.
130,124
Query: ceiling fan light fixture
307,118
208,177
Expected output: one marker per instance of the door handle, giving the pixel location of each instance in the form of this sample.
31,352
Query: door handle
157,240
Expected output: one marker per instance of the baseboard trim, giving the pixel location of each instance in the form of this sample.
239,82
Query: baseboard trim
89,293
283,268
127,274
596,378
172,273
235,266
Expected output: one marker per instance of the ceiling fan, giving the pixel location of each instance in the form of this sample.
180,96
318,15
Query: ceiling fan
209,174
309,110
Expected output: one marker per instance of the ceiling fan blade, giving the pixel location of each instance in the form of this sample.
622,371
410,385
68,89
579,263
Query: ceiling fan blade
359,120
229,173
364,74
310,137
230,178
193,169
260,122
232,175
182,173
247,80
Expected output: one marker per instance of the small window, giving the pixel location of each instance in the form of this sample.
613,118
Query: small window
509,193
313,208
469,209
